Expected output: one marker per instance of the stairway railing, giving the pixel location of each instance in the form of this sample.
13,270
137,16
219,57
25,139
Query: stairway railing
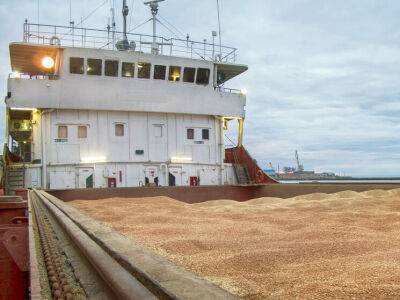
240,156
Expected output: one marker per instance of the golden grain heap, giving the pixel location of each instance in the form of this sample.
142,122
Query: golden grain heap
343,245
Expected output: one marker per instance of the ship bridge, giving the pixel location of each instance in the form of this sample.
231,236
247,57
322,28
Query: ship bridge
81,68
127,111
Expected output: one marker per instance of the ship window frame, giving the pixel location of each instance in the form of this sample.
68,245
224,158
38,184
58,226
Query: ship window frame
81,63
171,69
116,131
158,131
132,64
98,70
143,64
204,136
161,77
184,78
190,136
203,81
115,69
59,132
79,132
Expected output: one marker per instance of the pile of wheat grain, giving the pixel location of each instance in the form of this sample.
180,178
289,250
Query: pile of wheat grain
343,245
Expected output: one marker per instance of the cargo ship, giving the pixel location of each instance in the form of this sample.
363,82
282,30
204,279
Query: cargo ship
97,114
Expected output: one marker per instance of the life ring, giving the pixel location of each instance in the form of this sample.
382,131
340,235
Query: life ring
55,41
259,176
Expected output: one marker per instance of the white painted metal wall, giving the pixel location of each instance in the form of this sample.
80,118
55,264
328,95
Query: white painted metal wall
160,137
152,143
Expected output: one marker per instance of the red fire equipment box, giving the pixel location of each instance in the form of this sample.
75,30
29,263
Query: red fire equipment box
194,181
112,182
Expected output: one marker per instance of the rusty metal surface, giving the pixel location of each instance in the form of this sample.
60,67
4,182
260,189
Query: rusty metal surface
124,285
13,251
10,199
58,280
206,193
34,275
11,210
183,193
15,240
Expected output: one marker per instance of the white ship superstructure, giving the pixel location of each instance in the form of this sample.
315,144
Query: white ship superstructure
82,114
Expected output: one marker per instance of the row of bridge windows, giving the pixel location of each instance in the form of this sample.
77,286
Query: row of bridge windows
94,66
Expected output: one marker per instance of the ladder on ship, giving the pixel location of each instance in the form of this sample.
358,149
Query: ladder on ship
241,171
14,178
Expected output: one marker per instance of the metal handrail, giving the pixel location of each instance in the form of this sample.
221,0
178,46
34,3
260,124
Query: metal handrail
106,39
227,90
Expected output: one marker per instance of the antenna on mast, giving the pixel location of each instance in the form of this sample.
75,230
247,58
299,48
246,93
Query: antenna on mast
219,33
124,43
154,10
113,25
125,12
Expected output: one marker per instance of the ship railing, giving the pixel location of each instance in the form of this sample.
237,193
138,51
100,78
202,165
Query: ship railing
17,75
223,89
70,36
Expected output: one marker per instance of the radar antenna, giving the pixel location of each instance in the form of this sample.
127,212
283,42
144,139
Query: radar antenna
154,10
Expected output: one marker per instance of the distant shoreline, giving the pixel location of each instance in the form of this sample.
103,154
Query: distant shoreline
382,180
344,179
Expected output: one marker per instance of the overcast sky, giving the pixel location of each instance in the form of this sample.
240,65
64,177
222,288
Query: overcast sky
323,75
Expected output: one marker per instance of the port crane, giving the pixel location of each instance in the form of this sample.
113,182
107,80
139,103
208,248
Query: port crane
300,167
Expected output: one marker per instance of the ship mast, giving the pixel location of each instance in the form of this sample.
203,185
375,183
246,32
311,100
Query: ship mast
154,10
125,12
124,43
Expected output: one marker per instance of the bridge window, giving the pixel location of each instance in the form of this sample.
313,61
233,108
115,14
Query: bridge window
188,74
128,69
144,70
76,65
205,134
111,68
94,66
82,132
203,76
119,129
174,73
190,134
62,132
159,72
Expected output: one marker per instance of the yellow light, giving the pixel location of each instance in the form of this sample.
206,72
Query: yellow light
23,108
94,159
176,76
181,159
243,91
47,62
15,74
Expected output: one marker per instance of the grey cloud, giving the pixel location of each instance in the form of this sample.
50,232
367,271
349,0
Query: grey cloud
323,75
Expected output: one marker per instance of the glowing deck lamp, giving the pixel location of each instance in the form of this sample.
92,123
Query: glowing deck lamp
23,108
47,62
243,92
94,159
15,74
181,159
